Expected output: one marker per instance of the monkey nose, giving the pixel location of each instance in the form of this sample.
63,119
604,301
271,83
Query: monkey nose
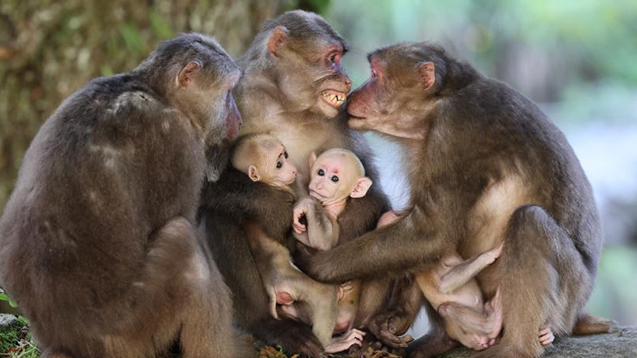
348,83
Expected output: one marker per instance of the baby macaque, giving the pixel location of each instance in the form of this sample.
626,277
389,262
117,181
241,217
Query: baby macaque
336,175
263,158
451,289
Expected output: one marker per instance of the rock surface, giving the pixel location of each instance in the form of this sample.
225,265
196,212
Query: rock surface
621,343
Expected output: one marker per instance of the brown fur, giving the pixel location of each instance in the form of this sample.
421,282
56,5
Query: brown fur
469,140
97,242
280,94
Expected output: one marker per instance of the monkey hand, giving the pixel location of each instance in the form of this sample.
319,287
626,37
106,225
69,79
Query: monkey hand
546,335
390,327
344,289
387,218
493,254
300,210
339,344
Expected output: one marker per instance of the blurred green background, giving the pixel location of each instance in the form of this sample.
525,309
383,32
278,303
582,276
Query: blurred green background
577,59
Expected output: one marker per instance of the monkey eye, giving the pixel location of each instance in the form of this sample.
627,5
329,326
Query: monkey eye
320,172
285,154
334,57
279,165
334,178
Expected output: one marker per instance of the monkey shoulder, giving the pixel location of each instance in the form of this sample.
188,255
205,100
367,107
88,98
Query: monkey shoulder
117,97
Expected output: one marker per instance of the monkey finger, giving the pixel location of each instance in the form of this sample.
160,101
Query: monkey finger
298,228
347,286
359,335
546,336
546,340
392,340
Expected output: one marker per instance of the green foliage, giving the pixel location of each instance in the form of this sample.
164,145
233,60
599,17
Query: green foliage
594,38
15,339
48,49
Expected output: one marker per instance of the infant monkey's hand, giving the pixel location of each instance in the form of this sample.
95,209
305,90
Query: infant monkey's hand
344,289
299,220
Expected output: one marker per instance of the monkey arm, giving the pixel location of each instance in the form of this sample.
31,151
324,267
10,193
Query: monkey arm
394,248
235,195
322,230
461,273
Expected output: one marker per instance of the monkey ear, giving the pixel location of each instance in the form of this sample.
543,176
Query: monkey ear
253,173
278,37
312,159
362,186
187,75
427,72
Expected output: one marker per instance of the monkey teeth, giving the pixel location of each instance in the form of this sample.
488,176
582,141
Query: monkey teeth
334,98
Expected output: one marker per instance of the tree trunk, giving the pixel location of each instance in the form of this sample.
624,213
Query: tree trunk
49,48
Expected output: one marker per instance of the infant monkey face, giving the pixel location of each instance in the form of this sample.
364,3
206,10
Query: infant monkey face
337,174
327,180
278,169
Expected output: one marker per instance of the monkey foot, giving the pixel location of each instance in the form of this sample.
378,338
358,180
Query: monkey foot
546,336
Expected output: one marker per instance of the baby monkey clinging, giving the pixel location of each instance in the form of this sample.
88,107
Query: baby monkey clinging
263,158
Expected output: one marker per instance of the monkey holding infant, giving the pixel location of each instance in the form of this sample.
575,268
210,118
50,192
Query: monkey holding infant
98,242
336,175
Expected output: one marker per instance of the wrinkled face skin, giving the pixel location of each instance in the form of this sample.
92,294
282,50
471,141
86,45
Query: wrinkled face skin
309,67
333,178
392,101
273,168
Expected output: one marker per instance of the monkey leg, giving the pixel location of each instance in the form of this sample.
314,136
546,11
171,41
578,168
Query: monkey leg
320,299
175,294
391,322
207,327
544,282
589,324
181,280
231,250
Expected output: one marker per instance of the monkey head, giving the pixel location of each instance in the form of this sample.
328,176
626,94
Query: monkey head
198,83
463,325
336,175
405,83
263,158
306,52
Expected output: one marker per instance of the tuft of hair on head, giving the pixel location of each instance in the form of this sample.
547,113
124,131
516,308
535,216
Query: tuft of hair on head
250,150
360,169
165,62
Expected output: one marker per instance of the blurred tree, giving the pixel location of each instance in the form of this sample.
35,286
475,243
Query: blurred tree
50,48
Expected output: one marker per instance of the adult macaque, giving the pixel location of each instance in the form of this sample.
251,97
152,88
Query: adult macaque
486,166
292,88
335,176
97,242
263,158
